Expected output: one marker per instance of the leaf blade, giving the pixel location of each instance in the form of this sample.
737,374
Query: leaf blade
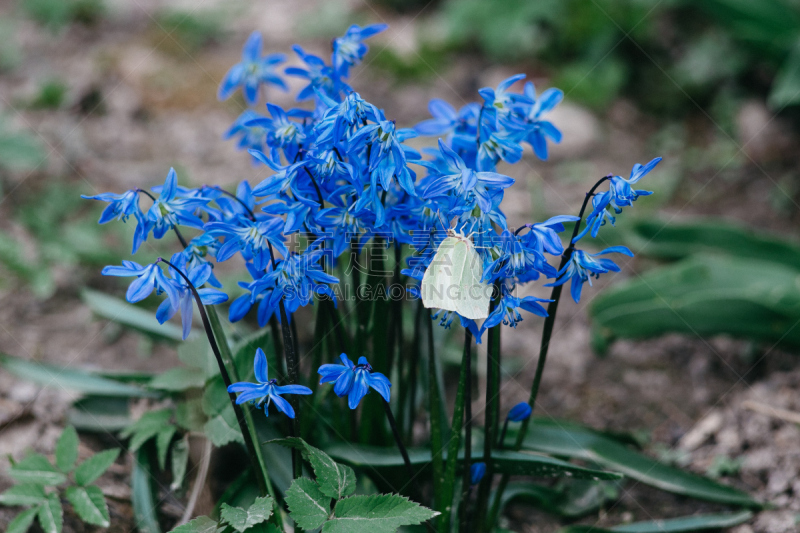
67,449
90,504
382,513
308,505
93,467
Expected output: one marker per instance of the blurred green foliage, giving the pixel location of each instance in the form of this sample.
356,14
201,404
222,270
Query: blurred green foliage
20,150
56,14
659,52
51,95
191,30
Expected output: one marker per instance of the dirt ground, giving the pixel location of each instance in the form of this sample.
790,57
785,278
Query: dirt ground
158,109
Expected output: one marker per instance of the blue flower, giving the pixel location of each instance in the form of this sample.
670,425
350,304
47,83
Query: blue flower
120,206
198,276
148,278
251,237
538,130
249,136
518,413
169,211
476,473
543,237
348,50
281,132
251,72
296,280
354,381
582,267
320,76
387,154
507,309
445,119
266,391
500,103
620,194
453,174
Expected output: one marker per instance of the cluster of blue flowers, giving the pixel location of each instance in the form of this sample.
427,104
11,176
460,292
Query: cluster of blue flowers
342,175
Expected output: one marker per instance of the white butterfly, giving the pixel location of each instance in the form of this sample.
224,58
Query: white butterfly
453,280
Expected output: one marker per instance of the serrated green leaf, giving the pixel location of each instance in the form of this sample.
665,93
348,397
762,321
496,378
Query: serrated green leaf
51,515
142,496
308,506
189,414
129,315
36,469
90,504
147,427
24,494
196,353
567,439
163,439
22,522
504,461
201,524
93,467
178,379
70,378
215,397
180,458
241,520
67,449
335,480
684,524
220,431
381,513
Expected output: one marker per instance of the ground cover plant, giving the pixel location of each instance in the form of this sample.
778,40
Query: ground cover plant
350,221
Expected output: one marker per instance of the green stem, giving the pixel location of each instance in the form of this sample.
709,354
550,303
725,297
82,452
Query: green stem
490,420
434,408
465,469
448,487
547,332
252,449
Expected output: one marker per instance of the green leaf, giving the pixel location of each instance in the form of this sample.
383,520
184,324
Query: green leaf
163,440
189,414
129,315
93,467
36,469
196,353
101,414
67,449
672,525
142,496
672,241
785,89
23,494
308,506
90,504
201,524
180,458
335,480
566,439
22,522
240,520
220,431
147,427
221,427
179,379
245,349
51,515
705,296
381,513
504,461
577,499
70,378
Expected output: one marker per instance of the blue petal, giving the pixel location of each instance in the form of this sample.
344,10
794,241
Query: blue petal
260,366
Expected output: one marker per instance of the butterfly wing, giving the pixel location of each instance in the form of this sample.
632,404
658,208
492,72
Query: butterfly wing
474,295
439,277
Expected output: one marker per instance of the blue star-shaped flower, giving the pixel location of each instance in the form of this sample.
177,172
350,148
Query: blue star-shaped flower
251,72
266,390
354,381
